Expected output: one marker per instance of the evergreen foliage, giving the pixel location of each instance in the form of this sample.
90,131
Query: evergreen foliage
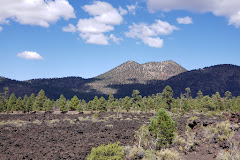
112,151
184,104
73,103
11,106
62,103
168,96
39,101
162,127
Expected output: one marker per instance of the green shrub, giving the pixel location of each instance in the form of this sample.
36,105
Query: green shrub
112,151
162,128
95,115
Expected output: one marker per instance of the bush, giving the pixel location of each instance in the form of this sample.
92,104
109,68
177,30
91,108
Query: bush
112,151
141,136
168,154
162,128
95,115
223,131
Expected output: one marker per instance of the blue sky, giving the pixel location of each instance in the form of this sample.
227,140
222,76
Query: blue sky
46,39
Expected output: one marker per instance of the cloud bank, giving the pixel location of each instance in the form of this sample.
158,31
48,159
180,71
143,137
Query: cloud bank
227,8
35,12
30,55
149,34
104,18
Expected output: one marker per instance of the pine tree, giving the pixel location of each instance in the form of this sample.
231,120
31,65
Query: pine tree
11,106
3,102
24,102
39,101
110,101
102,104
29,104
162,128
227,100
79,107
73,103
19,104
135,95
62,103
110,98
94,103
168,96
48,105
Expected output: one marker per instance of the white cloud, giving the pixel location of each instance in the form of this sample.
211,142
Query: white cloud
104,18
104,12
99,39
30,55
92,26
185,20
69,28
122,11
132,8
227,8
149,33
153,42
115,39
35,12
1,28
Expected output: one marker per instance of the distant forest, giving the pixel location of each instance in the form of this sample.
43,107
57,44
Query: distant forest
135,102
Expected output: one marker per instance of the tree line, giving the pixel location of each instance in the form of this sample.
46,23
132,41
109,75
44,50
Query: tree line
135,102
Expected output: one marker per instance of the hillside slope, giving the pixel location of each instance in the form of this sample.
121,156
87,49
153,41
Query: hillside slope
130,72
219,78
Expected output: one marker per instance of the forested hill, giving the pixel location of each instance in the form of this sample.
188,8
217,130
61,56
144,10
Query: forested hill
219,78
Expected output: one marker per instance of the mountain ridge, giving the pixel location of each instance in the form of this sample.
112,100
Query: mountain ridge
209,80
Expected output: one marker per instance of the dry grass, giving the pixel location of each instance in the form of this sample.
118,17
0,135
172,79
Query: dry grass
17,123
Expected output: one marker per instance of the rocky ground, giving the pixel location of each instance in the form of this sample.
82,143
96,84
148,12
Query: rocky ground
65,136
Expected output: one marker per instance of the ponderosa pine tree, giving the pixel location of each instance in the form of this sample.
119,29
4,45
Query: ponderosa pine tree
39,101
80,106
94,103
168,96
19,104
62,103
11,106
48,105
3,102
162,128
135,95
102,104
83,103
73,103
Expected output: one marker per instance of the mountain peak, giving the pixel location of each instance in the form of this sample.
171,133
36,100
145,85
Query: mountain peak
142,73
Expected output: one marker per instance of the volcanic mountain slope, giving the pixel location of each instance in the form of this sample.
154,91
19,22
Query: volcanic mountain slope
126,73
131,75
218,78
134,73
209,80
